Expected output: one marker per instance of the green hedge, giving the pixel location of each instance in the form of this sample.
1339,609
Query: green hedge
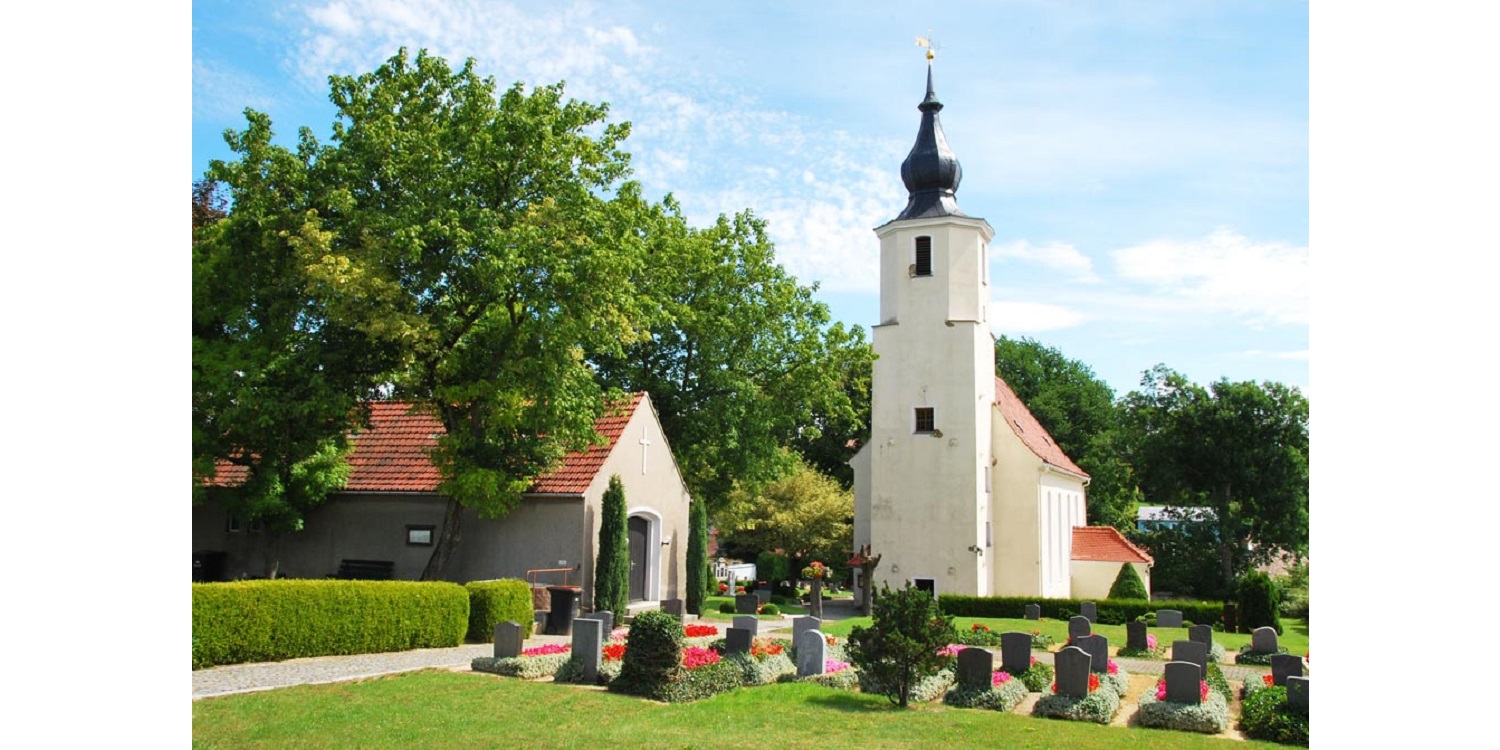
492,602
958,605
259,621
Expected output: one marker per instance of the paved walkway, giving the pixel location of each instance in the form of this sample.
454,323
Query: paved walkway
245,678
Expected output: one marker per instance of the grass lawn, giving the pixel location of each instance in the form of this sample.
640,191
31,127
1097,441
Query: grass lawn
711,609
441,709
1294,639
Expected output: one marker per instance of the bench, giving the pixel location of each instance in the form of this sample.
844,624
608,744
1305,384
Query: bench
366,570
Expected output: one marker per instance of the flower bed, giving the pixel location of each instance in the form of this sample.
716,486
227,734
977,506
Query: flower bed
1264,715
1003,694
1099,706
1042,641
1037,677
1151,651
1245,656
532,664
1210,715
979,634
926,690
840,675
1117,678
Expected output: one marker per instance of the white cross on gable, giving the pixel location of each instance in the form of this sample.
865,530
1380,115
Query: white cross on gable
645,446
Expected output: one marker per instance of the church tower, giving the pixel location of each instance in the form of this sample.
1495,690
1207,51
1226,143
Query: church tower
927,502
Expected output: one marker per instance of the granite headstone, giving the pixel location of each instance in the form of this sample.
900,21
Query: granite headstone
1284,666
746,604
509,636
1033,611
804,623
975,668
1194,652
1078,626
737,641
588,646
1184,682
1135,636
1089,610
1296,694
1097,647
1072,665
1168,618
1263,640
1203,634
1015,652
812,650
748,622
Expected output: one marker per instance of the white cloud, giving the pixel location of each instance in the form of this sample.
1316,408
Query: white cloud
222,93
1010,317
1301,355
1058,256
1224,272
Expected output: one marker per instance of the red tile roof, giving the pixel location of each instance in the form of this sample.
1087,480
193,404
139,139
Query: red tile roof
1106,544
1031,432
393,454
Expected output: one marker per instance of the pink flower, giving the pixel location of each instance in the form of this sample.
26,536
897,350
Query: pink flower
830,666
1113,667
999,678
951,649
695,656
551,648
1151,641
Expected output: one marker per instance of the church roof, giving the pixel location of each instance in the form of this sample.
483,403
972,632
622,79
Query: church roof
393,454
1031,432
1106,544
931,171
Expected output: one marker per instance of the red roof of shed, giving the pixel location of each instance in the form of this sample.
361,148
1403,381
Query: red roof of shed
1106,544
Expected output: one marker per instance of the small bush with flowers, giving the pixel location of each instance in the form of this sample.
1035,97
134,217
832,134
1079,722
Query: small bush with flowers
1264,715
1209,714
1037,677
533,663
1042,641
837,674
1246,656
766,663
1153,649
978,634
1099,706
1002,694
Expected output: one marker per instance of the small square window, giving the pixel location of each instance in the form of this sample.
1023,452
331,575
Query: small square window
232,525
924,419
419,536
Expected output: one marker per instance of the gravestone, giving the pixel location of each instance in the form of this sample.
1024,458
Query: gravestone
1033,611
604,616
509,636
1015,652
1284,666
588,646
1087,609
1168,618
1194,652
737,641
1184,682
674,607
746,604
1231,618
804,623
812,652
1203,634
1072,672
748,622
1078,626
1263,641
1296,694
1135,636
764,595
976,667
1097,647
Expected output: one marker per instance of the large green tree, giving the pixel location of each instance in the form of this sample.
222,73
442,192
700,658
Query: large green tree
1239,449
1078,410
806,515
741,361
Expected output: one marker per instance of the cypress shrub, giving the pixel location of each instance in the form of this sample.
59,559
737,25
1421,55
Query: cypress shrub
260,621
1128,584
698,574
654,657
1259,601
612,564
492,602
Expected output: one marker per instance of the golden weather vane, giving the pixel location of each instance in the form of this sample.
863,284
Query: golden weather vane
931,46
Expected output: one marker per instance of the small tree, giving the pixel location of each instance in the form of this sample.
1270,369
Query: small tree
1128,584
1259,601
654,657
905,642
612,564
697,558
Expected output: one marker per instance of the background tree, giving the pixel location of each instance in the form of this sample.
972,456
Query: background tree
806,515
1237,449
1078,410
699,575
612,561
903,644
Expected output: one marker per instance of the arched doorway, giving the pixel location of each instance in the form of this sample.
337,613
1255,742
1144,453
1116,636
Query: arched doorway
644,529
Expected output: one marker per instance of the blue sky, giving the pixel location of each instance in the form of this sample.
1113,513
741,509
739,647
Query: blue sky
1144,165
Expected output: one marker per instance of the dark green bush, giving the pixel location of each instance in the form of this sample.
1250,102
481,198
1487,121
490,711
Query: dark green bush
1264,716
770,609
726,608
1111,616
492,602
1014,607
259,621
1259,601
773,568
699,570
1128,584
903,644
612,567
654,657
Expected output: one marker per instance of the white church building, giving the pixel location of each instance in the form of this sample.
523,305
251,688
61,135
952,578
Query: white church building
959,488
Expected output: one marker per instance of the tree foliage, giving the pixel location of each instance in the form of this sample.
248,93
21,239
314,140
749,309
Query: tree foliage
1128,584
805,515
904,643
1259,601
699,574
1237,449
612,554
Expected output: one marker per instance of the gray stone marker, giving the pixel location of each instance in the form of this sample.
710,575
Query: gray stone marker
1168,618
1203,634
1263,641
764,595
746,604
1135,635
812,650
1296,693
737,641
588,646
1072,672
674,607
1089,610
509,636
604,616
1284,666
1033,611
1183,682
1194,652
1015,652
748,622
975,667
1078,626
1097,647
804,623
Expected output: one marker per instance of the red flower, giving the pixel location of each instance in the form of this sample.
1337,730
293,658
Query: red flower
614,651
1093,681
1269,680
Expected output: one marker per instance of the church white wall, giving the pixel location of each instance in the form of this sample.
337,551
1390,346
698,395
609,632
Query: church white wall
1015,515
1092,579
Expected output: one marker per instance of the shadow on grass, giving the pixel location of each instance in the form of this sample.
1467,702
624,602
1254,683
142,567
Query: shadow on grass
850,702
1300,627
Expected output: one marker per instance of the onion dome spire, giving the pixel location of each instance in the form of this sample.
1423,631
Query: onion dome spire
931,171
